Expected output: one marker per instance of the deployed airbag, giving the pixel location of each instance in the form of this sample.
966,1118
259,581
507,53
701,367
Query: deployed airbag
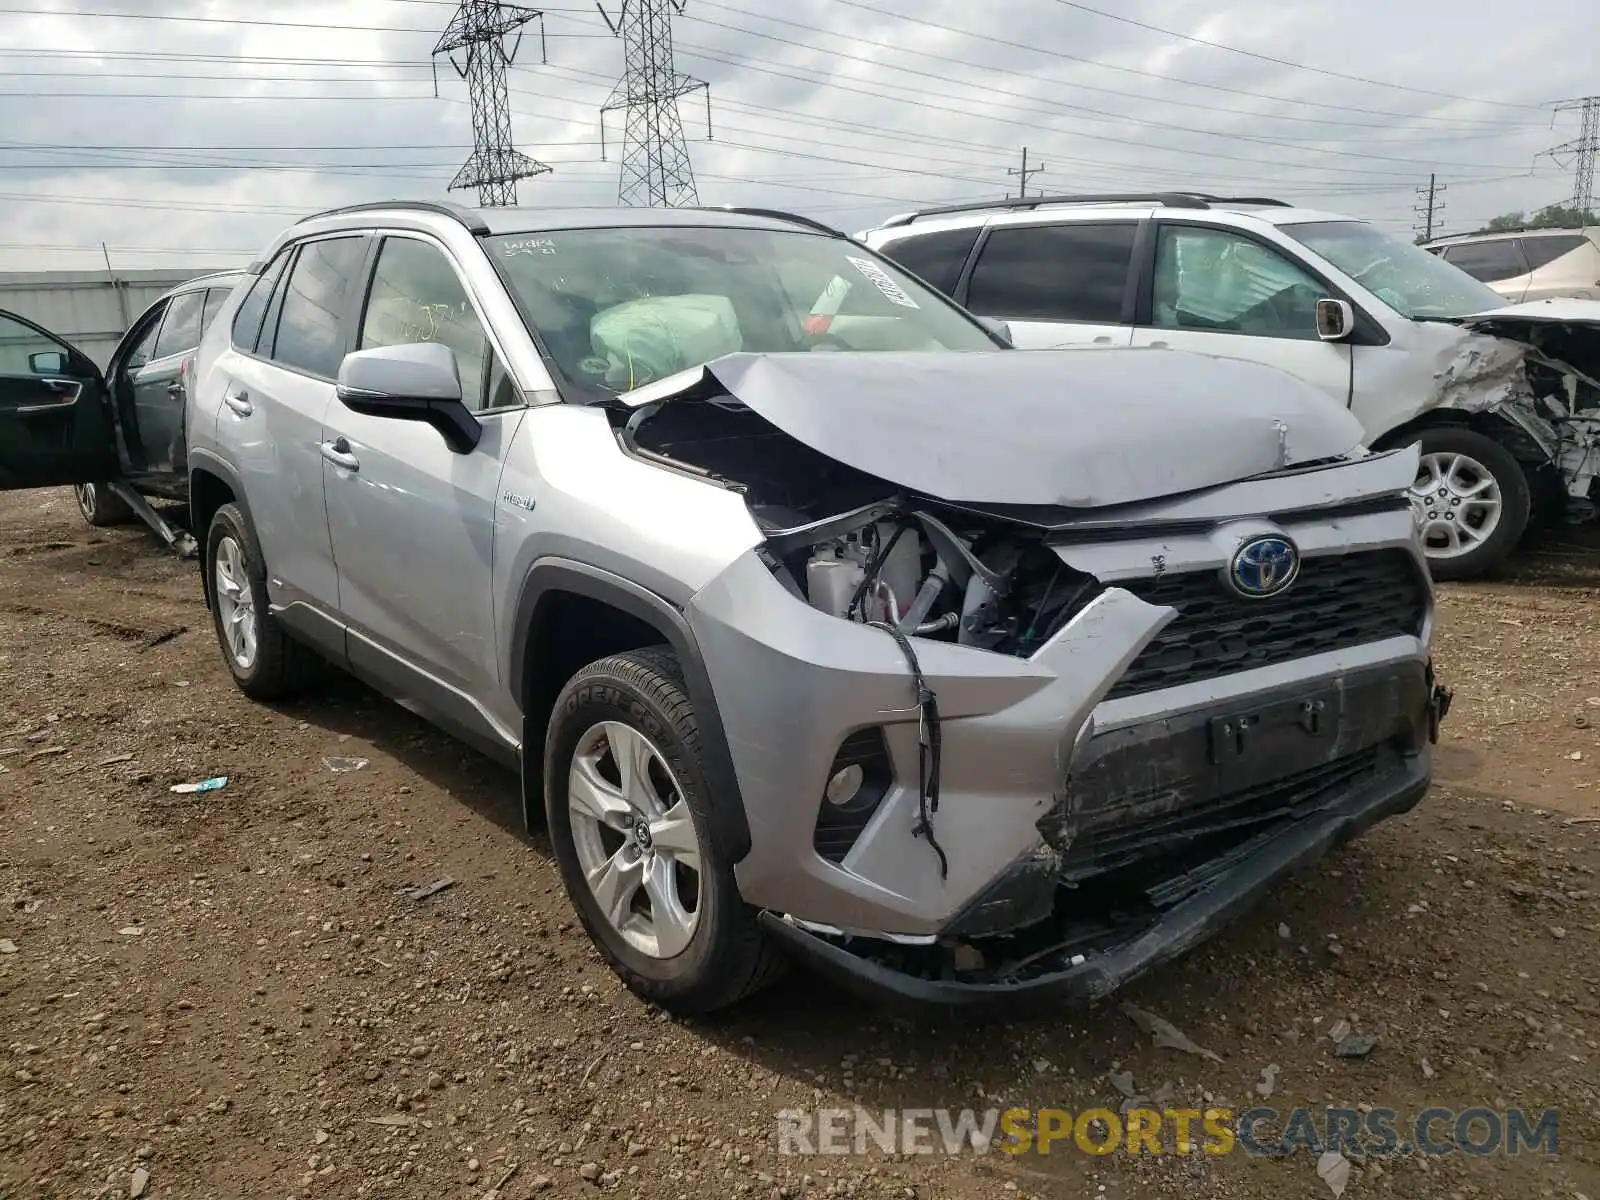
645,340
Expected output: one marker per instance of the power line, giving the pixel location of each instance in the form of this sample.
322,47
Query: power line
255,21
859,40
1285,62
656,171
1169,79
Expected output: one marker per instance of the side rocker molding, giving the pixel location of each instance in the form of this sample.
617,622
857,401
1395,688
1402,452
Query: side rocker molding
549,576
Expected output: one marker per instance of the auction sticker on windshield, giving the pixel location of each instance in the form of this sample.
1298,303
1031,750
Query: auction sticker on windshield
880,279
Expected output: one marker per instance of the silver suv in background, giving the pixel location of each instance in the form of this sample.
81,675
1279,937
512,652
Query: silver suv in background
1529,264
814,618
1504,400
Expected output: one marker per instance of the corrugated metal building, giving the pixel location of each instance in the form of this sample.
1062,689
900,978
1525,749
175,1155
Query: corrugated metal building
91,309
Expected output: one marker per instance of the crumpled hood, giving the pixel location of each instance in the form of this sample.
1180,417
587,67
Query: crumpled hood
1067,428
1517,321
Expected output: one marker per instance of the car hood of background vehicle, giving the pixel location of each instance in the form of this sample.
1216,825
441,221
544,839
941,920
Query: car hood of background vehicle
1062,428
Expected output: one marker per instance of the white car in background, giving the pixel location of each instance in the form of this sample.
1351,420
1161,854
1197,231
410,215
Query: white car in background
1529,264
1505,401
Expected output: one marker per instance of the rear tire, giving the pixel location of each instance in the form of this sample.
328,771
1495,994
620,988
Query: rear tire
672,925
99,506
1472,500
265,661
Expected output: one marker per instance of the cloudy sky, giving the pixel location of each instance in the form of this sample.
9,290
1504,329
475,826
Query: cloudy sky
187,132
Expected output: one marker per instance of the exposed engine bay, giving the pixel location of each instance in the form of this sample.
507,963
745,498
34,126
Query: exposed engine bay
859,549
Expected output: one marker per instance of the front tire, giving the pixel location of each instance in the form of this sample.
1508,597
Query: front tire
629,809
265,662
1472,501
99,506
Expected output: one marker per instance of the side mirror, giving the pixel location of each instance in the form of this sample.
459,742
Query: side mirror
1335,319
47,362
418,382
999,328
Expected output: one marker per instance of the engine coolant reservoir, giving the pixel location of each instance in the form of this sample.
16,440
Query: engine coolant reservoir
831,581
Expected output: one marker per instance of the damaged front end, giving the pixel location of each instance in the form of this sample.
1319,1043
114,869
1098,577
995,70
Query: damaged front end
1537,366
993,745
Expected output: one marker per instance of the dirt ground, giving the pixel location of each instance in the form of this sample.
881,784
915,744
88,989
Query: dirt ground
231,995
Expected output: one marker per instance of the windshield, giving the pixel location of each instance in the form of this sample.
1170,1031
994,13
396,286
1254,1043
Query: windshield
1407,278
618,308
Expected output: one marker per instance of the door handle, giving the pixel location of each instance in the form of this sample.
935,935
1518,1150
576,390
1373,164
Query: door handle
175,389
70,390
239,402
1103,340
338,453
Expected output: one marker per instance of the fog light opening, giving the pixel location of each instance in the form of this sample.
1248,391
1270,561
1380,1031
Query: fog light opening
845,785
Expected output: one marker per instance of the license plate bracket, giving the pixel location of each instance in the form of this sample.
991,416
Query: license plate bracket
1234,736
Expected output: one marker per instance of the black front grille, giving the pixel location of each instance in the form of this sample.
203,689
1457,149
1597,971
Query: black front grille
1337,602
1239,814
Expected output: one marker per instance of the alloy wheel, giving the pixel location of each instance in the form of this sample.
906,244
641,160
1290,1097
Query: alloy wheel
1457,503
236,604
635,839
88,497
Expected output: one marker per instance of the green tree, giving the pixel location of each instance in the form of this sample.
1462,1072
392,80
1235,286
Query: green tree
1551,216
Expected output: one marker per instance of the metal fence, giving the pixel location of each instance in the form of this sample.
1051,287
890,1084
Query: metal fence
90,309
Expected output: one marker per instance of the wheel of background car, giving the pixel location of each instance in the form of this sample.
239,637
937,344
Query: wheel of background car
1472,502
264,661
99,506
627,802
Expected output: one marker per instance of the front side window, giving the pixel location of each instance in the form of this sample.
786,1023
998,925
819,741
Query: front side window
145,348
1416,284
416,296
1054,272
180,331
1215,279
316,299
1489,262
617,308
936,257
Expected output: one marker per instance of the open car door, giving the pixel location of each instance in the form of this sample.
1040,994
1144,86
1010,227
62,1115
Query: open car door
56,424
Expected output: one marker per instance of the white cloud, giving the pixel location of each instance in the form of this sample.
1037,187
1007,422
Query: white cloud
821,106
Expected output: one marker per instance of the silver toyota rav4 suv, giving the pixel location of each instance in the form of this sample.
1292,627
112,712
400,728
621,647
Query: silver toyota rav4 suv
819,623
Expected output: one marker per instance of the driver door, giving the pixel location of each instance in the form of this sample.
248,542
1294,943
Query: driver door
56,424
1219,291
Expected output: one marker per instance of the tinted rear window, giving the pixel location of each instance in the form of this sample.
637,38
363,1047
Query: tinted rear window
936,257
1054,272
1542,251
1488,262
316,302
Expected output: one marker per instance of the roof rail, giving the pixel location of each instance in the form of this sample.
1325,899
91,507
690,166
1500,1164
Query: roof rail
1016,204
474,223
778,214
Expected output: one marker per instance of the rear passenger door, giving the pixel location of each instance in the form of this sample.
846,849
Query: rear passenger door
152,370
1057,285
290,334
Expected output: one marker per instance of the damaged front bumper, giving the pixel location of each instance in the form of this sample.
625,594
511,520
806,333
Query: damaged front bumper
1239,879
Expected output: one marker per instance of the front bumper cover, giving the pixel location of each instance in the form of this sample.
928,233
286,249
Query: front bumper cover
1173,933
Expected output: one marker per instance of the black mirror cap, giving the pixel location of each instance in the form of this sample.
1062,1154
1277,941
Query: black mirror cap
460,429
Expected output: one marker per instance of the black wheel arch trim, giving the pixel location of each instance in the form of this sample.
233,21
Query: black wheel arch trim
205,462
731,829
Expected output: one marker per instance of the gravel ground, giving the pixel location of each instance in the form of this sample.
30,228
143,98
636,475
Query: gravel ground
231,994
